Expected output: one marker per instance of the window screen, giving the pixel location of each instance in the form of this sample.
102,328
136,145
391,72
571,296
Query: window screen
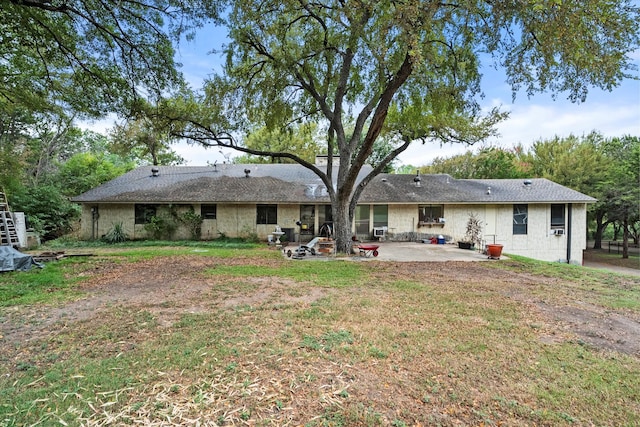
144,213
557,216
208,211
267,214
520,219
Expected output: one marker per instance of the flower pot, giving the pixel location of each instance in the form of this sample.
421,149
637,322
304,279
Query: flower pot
465,245
494,251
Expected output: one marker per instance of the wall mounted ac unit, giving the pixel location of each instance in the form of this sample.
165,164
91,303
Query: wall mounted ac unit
558,232
379,231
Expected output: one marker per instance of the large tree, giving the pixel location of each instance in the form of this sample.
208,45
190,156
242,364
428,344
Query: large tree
575,162
409,68
619,192
88,56
143,140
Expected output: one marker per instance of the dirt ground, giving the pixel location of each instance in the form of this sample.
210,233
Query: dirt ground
173,286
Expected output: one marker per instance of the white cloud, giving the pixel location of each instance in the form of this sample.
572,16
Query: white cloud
198,155
531,122
100,126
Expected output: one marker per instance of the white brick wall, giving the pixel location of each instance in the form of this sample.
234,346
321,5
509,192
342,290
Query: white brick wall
236,220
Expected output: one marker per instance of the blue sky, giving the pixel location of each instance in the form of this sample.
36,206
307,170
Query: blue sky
614,113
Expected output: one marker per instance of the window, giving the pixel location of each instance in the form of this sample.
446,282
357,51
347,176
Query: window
557,216
307,219
429,214
144,213
267,214
380,215
208,211
520,219
362,220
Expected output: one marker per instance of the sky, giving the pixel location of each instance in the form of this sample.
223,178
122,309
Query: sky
540,117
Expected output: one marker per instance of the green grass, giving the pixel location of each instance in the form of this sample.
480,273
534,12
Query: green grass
54,283
57,281
227,243
339,341
136,254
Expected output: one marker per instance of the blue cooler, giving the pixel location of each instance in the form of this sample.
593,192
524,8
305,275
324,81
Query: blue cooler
441,240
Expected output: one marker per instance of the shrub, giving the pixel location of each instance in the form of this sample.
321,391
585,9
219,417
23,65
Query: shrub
160,227
193,222
249,235
116,234
474,229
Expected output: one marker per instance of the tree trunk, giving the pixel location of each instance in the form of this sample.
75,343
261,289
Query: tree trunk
625,237
634,233
600,226
342,223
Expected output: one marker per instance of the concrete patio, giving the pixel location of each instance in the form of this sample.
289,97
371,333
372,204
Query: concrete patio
417,251
408,252
423,252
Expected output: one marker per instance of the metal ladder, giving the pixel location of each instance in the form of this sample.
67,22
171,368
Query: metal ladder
8,231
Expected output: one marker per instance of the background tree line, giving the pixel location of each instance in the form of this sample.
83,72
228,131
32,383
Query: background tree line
45,159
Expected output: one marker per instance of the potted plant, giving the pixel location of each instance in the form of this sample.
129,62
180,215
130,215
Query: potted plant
494,250
473,232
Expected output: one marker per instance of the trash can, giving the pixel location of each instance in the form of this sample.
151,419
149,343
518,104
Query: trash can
441,240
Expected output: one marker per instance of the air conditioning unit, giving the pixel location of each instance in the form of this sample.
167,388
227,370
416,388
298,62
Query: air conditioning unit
558,232
379,232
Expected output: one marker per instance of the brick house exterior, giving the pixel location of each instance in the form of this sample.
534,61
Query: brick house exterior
536,218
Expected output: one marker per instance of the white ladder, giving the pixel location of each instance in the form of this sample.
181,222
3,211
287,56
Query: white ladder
8,231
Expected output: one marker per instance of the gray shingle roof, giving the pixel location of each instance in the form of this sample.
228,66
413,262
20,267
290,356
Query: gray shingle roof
445,189
292,183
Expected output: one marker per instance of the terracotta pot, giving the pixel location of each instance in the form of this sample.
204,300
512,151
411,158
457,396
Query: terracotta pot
494,251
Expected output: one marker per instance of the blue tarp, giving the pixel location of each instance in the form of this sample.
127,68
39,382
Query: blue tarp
13,260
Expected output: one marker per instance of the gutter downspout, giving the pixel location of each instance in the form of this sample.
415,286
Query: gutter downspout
95,215
569,227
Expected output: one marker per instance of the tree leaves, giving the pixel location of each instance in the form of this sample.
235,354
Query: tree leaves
91,57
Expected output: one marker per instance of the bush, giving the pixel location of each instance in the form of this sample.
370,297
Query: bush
161,227
47,211
193,222
248,235
116,234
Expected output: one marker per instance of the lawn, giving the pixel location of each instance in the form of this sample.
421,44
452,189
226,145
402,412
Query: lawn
200,335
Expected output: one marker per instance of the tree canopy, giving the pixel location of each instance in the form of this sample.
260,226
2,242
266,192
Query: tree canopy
91,57
488,163
409,68
304,140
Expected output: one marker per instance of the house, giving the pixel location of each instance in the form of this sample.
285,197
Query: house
536,218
